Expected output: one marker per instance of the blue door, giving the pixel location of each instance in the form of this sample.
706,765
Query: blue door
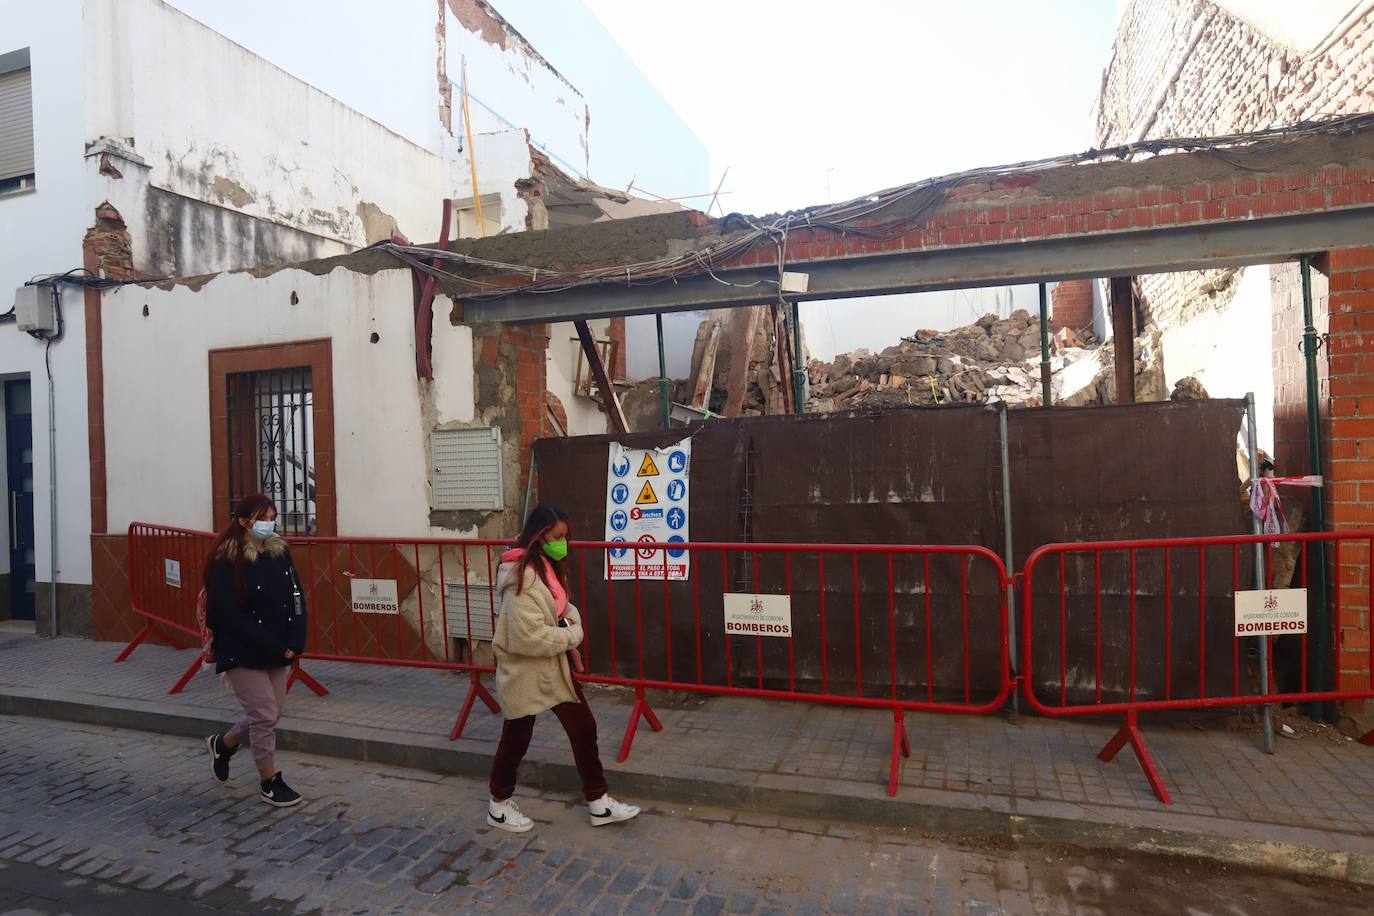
19,477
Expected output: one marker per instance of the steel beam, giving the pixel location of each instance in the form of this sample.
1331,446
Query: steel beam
1159,250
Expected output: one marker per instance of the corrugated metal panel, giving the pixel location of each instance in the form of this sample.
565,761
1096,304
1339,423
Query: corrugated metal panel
467,468
460,601
16,124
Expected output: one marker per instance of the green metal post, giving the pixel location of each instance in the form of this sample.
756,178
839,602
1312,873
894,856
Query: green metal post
1321,649
1044,346
663,374
798,370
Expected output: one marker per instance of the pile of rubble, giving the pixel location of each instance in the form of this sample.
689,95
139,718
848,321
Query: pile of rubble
994,359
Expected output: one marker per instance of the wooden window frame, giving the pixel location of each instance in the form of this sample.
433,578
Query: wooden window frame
318,356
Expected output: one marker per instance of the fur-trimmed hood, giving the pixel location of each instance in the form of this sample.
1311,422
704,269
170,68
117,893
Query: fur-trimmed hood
275,546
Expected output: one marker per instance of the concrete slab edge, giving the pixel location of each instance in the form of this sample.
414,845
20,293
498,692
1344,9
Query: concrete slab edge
1264,855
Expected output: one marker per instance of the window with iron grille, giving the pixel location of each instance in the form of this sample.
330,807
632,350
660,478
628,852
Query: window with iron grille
271,438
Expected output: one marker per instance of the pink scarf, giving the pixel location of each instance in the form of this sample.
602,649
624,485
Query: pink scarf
560,597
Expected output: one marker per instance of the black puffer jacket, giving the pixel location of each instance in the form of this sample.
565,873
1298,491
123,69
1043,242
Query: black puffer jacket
254,629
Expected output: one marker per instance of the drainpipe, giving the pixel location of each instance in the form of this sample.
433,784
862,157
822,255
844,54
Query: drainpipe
663,373
52,495
798,370
1044,346
1310,343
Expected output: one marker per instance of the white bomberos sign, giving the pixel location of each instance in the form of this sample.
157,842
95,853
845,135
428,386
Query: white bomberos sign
758,615
171,572
375,596
1271,612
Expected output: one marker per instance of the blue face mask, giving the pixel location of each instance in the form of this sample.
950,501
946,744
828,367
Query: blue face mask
264,529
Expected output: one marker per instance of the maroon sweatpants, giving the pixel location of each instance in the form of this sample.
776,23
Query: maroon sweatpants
580,725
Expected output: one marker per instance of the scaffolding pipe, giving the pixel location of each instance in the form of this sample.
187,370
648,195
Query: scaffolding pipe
663,374
798,370
1252,446
1321,645
1044,346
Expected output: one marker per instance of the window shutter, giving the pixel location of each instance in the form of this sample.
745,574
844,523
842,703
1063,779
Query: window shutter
467,468
16,124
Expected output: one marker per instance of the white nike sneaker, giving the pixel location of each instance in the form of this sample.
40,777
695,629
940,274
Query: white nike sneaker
606,810
505,815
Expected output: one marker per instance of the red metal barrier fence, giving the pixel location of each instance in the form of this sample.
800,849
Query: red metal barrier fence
898,628
1132,626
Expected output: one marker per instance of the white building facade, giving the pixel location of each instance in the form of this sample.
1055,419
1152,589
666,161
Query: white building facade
188,138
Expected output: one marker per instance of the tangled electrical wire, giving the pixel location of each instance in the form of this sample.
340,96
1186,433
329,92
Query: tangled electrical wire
862,217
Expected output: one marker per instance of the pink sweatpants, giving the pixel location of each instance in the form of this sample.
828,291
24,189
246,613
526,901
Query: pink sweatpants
261,693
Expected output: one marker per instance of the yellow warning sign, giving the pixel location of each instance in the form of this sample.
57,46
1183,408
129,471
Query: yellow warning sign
647,497
647,468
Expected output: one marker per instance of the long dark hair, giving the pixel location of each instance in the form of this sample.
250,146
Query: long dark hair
541,521
248,508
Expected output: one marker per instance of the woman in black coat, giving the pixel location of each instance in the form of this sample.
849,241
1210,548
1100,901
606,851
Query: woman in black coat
257,615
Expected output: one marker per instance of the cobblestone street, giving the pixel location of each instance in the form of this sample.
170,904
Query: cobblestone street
97,820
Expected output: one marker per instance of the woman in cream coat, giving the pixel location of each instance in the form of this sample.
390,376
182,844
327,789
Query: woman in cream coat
537,635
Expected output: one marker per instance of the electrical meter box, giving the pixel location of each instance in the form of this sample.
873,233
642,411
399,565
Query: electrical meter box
33,309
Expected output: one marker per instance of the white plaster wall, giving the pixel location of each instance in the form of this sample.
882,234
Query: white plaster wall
1229,350
40,232
161,470
377,58
584,417
679,336
216,123
843,325
512,89
503,158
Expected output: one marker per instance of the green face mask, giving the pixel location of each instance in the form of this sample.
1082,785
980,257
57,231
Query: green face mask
555,550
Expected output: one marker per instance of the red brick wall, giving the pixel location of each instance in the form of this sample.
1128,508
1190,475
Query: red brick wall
530,345
1350,448
1071,304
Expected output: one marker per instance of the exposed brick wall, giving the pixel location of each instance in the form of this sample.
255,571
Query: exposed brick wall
1231,78
1071,304
1350,447
530,345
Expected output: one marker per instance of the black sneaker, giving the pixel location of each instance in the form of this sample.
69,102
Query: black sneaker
277,793
219,756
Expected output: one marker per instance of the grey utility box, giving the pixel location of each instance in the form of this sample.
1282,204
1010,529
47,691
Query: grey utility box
33,309
467,468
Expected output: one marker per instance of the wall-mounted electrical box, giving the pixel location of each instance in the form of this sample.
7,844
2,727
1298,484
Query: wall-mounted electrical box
33,309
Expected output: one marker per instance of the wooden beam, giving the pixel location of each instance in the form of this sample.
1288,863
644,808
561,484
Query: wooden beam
603,380
1123,337
739,345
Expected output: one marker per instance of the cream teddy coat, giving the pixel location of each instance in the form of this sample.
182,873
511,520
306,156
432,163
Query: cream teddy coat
532,672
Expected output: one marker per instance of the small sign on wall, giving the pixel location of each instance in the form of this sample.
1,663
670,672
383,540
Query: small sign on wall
171,572
758,615
1271,612
375,596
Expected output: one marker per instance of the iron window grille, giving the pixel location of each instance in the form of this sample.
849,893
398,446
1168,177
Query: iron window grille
272,443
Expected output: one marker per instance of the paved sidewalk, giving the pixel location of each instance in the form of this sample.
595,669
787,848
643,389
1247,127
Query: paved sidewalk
1309,808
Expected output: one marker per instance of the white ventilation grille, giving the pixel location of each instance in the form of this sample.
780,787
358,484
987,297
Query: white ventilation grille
467,468
469,610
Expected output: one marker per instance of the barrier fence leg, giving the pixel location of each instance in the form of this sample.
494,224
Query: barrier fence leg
1130,733
299,674
1366,738
180,685
641,708
135,642
476,690
901,747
